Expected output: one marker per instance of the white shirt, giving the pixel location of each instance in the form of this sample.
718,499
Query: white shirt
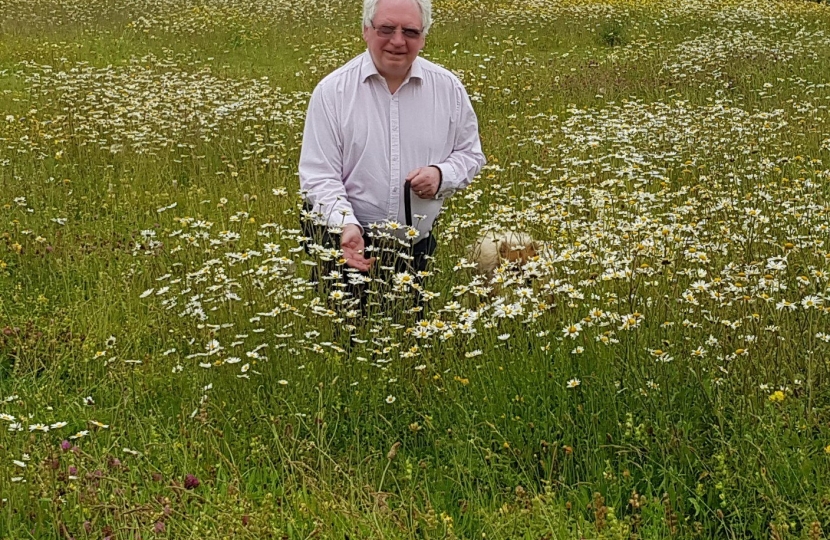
360,141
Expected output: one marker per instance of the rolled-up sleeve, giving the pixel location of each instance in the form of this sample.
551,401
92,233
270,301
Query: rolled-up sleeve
466,159
321,162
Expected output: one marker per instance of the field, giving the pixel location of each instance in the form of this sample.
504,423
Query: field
661,369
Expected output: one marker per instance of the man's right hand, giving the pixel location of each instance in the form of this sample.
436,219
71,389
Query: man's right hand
351,242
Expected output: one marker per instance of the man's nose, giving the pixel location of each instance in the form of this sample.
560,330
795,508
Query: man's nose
397,38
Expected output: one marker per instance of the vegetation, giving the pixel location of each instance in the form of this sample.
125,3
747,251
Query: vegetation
167,370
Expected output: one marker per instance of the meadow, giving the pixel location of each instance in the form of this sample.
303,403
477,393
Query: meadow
660,370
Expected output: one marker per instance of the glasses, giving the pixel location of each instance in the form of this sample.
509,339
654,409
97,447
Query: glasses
387,31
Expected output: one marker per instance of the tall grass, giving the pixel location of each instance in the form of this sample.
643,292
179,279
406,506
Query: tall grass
167,369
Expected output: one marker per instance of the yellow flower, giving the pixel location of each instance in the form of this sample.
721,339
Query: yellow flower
777,396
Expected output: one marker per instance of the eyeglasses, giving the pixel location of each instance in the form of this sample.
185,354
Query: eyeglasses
387,31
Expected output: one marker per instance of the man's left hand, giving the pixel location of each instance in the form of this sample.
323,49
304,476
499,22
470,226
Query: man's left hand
424,181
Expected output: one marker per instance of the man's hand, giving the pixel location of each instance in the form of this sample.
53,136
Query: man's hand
424,181
351,242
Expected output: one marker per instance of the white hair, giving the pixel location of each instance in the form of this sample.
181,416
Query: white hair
370,8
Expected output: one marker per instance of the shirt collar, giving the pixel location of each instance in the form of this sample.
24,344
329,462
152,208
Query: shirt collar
368,68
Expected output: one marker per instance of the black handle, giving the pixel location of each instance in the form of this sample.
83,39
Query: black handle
407,202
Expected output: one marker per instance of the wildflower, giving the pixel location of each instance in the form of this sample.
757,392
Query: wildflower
785,304
777,396
191,482
811,301
573,383
700,352
213,347
572,331
390,399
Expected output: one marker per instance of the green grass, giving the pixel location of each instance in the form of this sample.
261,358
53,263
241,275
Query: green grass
628,139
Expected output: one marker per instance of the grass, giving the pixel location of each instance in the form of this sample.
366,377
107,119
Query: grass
663,375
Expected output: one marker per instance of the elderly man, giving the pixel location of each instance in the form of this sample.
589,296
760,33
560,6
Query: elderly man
386,119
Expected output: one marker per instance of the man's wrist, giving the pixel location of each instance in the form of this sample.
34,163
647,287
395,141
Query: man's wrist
349,226
440,179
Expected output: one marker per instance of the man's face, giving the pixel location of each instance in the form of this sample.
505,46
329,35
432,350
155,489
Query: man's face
394,55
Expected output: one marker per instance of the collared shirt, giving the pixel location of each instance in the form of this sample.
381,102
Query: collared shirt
360,142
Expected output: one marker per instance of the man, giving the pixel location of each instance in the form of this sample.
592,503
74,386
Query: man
385,118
